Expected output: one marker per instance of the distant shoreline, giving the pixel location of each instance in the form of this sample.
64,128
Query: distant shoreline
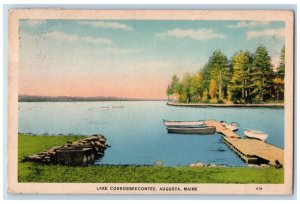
279,105
24,101
28,98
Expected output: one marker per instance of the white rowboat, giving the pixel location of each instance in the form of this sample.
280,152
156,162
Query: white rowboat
184,124
232,126
256,134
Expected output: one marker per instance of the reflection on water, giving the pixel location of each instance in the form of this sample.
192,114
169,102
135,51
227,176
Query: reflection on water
136,132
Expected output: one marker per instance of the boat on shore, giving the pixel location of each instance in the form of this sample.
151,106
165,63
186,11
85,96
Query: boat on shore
192,130
255,134
183,124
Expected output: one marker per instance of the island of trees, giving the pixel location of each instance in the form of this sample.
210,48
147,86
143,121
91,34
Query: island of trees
246,78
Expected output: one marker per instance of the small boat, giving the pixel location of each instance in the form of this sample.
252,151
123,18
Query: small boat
192,130
35,108
100,108
256,134
184,124
223,123
232,126
117,106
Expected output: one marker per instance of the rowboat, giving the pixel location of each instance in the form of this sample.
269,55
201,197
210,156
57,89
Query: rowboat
99,109
192,130
254,134
232,126
117,106
223,123
184,124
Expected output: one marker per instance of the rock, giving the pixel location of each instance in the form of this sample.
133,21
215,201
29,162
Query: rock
212,165
53,149
253,165
199,164
277,164
97,143
102,140
92,138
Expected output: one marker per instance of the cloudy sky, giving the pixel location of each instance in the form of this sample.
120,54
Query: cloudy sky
130,58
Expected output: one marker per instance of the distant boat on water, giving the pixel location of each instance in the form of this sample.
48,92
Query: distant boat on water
99,109
255,134
117,106
35,108
183,124
29,108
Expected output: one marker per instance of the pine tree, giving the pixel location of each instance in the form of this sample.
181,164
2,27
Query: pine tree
213,88
261,76
196,87
238,89
278,81
185,95
219,71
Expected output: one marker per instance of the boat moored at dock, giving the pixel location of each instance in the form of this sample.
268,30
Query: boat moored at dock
232,126
255,134
192,130
184,124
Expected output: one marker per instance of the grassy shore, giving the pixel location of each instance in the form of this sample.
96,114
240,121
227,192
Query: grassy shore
30,172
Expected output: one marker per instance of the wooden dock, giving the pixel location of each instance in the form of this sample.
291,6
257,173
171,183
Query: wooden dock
250,150
221,129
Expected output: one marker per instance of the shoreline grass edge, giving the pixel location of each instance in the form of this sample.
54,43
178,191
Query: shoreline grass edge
39,173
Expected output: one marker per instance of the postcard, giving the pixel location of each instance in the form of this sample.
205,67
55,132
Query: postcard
150,102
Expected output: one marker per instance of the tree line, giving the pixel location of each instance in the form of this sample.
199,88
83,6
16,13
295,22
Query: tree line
245,78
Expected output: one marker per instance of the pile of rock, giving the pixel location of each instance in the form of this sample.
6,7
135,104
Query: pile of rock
258,165
199,164
81,152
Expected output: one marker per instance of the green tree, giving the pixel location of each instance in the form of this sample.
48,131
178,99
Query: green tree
174,86
238,90
281,68
261,76
219,71
278,81
185,90
205,72
213,88
196,87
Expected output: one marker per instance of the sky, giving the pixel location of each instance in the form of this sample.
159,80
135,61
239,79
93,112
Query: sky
129,58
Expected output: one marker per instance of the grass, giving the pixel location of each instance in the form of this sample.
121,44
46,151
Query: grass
31,172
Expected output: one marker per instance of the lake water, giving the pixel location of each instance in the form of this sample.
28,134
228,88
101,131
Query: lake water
136,132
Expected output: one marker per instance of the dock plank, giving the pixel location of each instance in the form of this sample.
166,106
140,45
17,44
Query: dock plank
221,129
249,148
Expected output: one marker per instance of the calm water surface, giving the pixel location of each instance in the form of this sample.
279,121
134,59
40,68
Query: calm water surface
136,132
